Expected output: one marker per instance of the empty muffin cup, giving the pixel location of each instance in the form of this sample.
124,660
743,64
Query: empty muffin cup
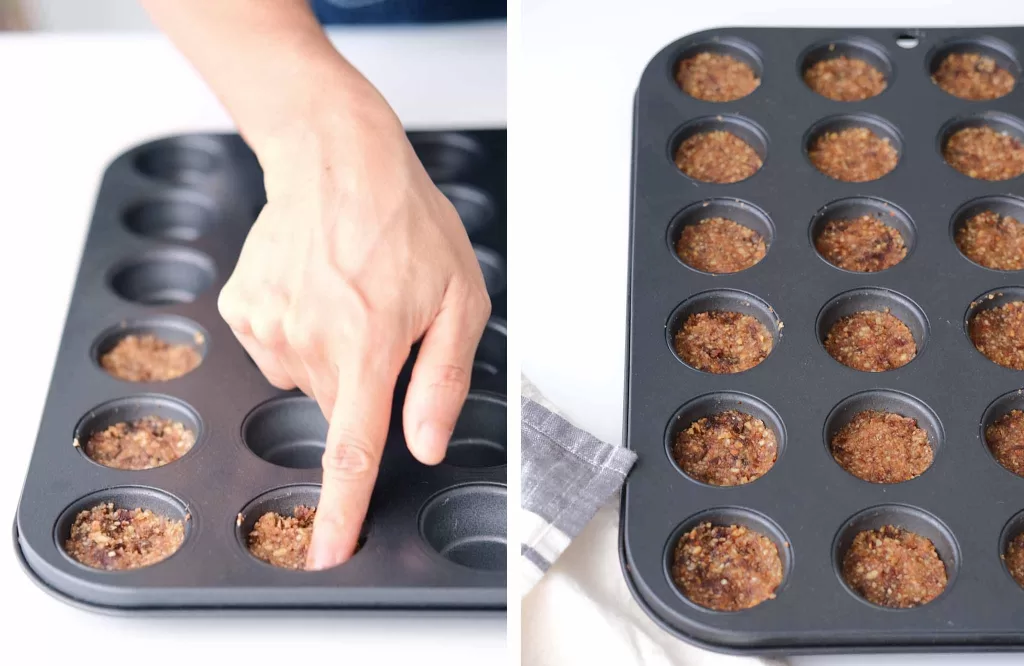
493,267
186,160
490,360
289,431
182,217
448,155
479,438
466,525
474,206
163,277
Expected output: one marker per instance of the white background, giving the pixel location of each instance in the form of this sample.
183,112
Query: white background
70,104
572,122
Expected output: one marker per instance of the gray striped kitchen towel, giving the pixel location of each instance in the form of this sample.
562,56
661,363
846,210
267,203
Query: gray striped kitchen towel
568,474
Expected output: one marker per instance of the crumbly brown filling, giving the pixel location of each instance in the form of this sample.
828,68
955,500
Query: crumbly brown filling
854,155
716,77
972,76
882,447
894,567
718,245
717,157
726,568
141,444
1014,558
729,448
1005,439
845,79
283,541
984,153
998,333
147,358
105,537
993,241
871,341
723,342
864,244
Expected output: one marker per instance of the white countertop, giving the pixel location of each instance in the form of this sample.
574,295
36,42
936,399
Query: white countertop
70,104
578,76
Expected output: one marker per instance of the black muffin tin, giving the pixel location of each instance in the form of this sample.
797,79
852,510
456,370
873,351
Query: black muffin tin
167,230
966,503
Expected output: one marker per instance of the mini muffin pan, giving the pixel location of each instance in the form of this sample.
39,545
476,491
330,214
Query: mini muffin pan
966,503
167,230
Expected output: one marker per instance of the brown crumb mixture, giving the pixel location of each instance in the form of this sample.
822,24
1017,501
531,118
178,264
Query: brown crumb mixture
854,155
723,342
993,241
882,447
1014,558
283,541
984,153
864,244
718,245
893,567
726,449
1005,439
117,539
142,444
845,79
717,157
972,76
726,568
998,333
147,358
716,77
871,341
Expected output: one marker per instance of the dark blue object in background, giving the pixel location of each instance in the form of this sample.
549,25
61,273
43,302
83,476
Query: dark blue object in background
336,12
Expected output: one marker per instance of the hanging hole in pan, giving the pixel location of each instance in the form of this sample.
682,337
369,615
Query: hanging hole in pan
909,39
480,437
163,277
467,525
290,431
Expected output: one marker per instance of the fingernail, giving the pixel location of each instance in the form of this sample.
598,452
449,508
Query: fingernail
433,440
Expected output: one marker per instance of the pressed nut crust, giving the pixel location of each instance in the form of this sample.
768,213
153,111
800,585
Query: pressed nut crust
141,444
1005,439
717,157
726,568
984,153
723,342
893,567
716,77
1014,558
972,76
729,448
998,333
718,245
864,244
993,241
871,341
105,537
283,541
882,447
854,155
147,358
845,79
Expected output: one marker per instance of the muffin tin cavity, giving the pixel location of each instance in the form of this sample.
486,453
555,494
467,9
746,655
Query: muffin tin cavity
480,437
993,164
880,129
164,277
851,208
168,328
854,48
173,217
179,160
466,525
289,432
1002,54
132,408
1006,454
723,300
735,210
734,47
744,129
489,362
474,206
1001,204
1014,528
875,299
493,267
448,156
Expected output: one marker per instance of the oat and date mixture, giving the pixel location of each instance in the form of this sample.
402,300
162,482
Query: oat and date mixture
719,245
729,448
717,157
1005,439
845,79
1014,558
716,77
147,358
726,568
283,541
722,342
882,447
871,341
984,153
864,244
973,76
116,539
894,567
144,443
853,155
998,333
992,240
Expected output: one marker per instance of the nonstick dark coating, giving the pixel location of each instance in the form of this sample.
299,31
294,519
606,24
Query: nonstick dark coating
166,232
965,501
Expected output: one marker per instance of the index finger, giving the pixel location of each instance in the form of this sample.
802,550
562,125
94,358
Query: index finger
355,442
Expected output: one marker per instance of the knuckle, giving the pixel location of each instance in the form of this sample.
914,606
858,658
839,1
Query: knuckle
299,332
450,377
267,331
351,458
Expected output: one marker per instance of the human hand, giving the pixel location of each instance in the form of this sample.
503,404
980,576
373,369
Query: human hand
355,257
